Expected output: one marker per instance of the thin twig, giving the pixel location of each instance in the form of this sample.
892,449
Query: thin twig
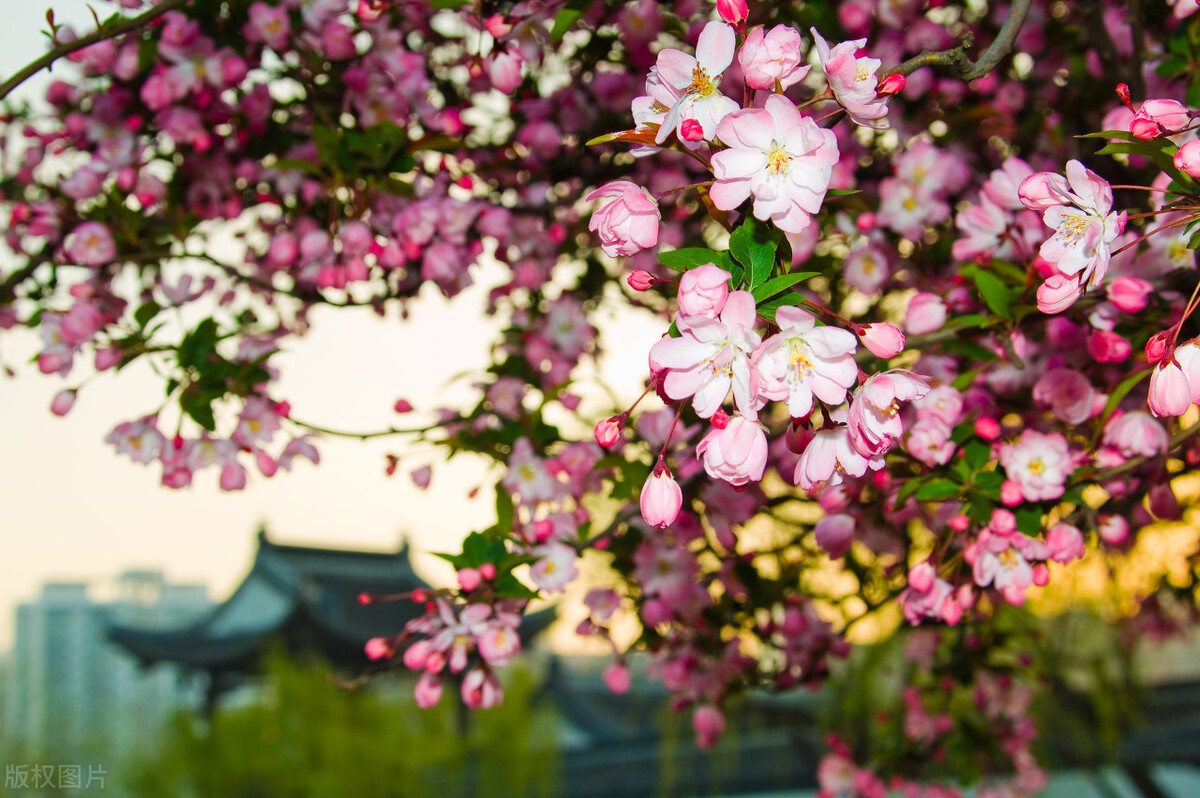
98,35
957,56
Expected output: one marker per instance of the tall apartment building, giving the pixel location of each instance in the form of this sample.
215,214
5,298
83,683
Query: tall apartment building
70,692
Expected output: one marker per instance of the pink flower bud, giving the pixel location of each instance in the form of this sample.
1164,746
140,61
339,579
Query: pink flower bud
1113,529
641,280
233,476
378,648
428,691
1010,493
1156,347
703,291
1065,543
1003,522
959,523
1169,393
1041,578
892,84
422,476
921,577
720,419
1042,190
617,678
926,313
1129,293
691,130
1108,347
468,579
1187,160
661,498
734,12
608,430
882,339
1058,293
63,402
487,571
987,428
627,225
708,722
835,533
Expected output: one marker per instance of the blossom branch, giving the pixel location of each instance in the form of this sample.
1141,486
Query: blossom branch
957,56
100,34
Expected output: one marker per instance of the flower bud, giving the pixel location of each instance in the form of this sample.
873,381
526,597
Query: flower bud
734,12
1042,190
608,430
987,428
63,402
487,571
661,498
1058,293
892,84
641,280
882,339
1156,347
468,578
1187,160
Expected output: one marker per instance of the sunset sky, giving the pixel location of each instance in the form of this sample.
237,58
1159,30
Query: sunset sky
75,510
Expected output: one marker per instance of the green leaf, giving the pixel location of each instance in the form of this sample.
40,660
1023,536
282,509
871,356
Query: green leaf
938,490
475,550
842,192
508,586
146,313
977,454
908,489
963,381
198,344
197,404
750,246
995,293
1163,159
1029,520
571,13
449,4
1120,392
505,512
988,483
688,258
779,284
453,559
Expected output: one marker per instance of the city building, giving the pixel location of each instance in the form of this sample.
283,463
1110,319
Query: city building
69,692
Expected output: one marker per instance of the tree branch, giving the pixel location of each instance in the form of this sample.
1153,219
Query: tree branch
957,56
98,35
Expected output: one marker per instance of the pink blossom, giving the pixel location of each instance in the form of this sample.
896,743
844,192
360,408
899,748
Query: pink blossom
140,439
767,58
627,225
736,454
608,430
1004,562
421,477
1108,347
1113,529
555,568
828,456
504,69
689,86
802,361
661,499
1039,463
777,156
498,643
91,244
703,291
1085,225
1136,434
929,441
711,356
874,417
1067,392
853,81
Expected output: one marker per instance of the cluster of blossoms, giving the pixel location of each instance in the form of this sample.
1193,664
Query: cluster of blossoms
906,291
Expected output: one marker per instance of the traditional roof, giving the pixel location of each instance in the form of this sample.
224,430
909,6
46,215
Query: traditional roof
305,597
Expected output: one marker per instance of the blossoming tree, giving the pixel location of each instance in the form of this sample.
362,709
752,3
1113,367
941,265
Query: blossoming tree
925,275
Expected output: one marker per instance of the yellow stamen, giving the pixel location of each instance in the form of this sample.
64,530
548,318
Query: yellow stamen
700,82
778,160
861,73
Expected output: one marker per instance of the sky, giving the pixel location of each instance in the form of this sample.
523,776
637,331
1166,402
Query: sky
71,509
